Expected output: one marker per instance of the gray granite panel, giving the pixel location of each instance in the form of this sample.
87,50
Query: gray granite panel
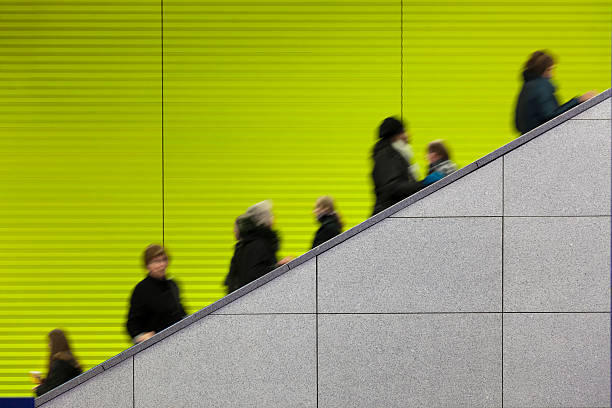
557,360
477,194
563,172
292,292
600,111
403,360
109,389
231,361
557,264
415,265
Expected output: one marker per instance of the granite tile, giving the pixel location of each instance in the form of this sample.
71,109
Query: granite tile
232,360
476,194
565,172
415,265
557,360
557,264
292,292
109,389
420,360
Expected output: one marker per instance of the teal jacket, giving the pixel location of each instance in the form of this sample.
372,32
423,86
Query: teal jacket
537,103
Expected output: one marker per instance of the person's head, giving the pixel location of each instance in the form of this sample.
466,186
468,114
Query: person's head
393,129
324,205
437,151
540,64
261,214
59,349
58,342
156,261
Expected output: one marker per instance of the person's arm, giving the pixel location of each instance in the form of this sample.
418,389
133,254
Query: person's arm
549,105
260,260
396,181
137,316
54,378
432,178
324,234
177,294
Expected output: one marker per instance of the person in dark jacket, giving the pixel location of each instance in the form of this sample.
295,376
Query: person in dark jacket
255,251
155,303
63,366
537,103
394,176
440,164
329,219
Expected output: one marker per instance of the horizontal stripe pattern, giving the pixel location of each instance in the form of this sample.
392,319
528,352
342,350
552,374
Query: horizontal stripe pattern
261,100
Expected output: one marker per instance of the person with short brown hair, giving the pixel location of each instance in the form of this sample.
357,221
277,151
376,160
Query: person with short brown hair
440,164
155,303
63,366
537,102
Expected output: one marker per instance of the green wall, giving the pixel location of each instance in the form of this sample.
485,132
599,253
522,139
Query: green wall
261,100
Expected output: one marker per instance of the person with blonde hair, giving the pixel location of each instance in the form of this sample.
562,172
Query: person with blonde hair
155,303
63,366
256,247
330,221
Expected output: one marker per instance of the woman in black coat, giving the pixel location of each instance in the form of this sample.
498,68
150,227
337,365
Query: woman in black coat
393,177
255,251
537,102
330,222
62,364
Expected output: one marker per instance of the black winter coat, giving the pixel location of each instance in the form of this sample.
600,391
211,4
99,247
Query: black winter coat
59,372
393,180
254,256
330,227
155,305
537,103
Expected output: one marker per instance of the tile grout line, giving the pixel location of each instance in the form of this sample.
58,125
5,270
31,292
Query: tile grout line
502,280
402,60
317,325
133,382
163,181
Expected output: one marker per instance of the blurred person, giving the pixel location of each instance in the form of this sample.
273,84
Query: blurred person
395,178
537,103
255,251
63,366
440,164
241,223
330,221
155,303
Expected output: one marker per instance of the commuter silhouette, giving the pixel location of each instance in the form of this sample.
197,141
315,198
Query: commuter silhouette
155,303
393,175
330,221
62,364
537,102
440,164
255,251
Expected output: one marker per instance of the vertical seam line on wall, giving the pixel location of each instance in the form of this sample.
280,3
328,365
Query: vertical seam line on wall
317,324
402,60
133,383
502,282
163,181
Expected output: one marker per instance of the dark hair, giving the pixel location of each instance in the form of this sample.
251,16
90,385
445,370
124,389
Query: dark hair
437,147
151,252
538,62
60,350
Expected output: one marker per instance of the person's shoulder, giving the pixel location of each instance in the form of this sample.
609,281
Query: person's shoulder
142,285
